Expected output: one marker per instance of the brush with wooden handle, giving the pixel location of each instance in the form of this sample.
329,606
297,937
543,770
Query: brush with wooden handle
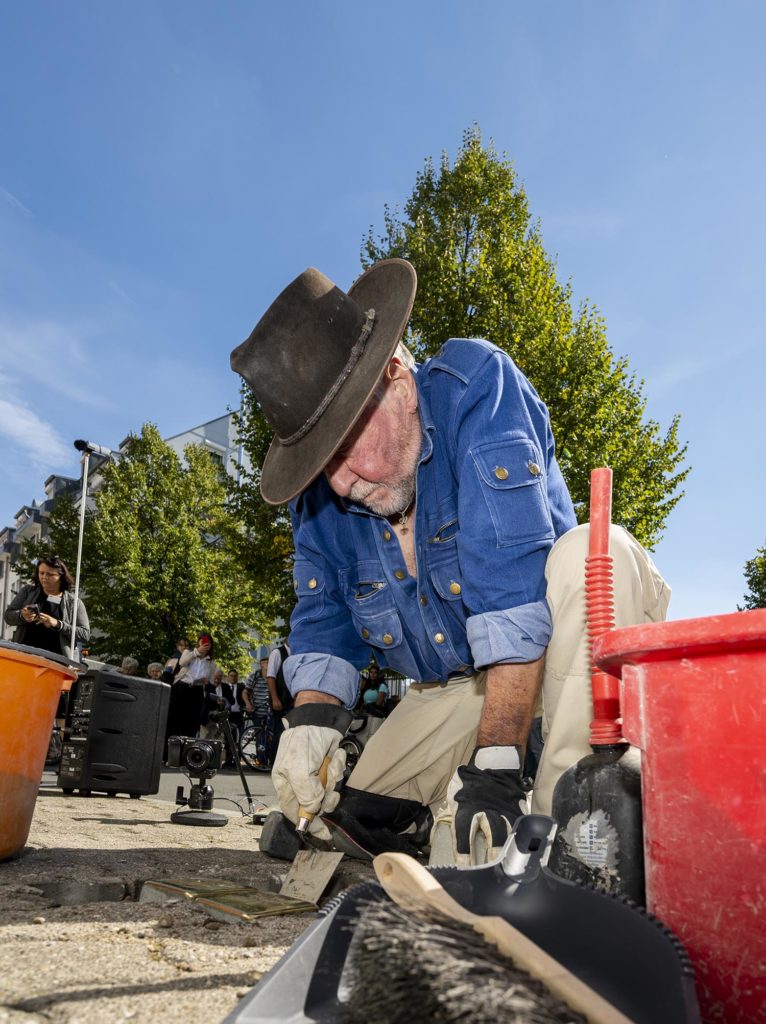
306,817
414,888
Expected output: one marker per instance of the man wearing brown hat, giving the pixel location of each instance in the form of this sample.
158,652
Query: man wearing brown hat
431,523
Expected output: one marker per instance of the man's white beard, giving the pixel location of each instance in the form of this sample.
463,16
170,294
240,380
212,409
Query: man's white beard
400,496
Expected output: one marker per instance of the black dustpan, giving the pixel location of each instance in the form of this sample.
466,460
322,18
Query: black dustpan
619,950
615,947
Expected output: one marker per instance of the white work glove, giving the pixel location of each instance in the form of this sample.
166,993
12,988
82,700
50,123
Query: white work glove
484,799
313,733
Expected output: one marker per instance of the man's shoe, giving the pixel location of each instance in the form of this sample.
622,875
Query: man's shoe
363,842
279,838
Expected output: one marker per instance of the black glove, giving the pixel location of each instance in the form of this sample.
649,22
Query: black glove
486,796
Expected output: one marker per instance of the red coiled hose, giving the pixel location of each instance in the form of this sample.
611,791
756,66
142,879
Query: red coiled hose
606,727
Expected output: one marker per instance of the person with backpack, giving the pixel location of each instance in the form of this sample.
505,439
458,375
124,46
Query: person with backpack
280,697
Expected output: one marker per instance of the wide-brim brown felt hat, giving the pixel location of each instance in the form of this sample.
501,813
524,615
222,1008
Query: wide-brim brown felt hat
313,361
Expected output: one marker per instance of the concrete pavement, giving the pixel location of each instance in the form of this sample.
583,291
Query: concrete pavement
102,959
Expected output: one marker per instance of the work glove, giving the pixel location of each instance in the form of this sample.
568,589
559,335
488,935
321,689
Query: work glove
312,733
484,799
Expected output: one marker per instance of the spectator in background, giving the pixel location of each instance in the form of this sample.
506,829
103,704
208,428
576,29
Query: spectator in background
173,664
219,696
281,699
129,666
236,715
375,693
196,667
154,670
42,613
257,689
43,610
238,705
260,707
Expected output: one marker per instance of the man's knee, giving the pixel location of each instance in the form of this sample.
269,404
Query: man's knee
572,547
632,569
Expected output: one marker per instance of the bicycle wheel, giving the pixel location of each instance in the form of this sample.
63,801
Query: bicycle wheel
353,748
55,748
252,748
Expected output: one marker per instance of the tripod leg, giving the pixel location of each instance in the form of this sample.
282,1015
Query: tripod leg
235,755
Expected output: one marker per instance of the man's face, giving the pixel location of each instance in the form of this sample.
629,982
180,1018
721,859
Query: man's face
218,677
264,663
233,677
377,463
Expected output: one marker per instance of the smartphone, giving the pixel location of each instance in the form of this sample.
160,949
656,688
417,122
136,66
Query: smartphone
34,608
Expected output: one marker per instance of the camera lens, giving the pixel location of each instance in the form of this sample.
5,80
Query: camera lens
200,756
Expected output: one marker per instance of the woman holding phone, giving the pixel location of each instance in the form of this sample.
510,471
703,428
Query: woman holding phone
43,610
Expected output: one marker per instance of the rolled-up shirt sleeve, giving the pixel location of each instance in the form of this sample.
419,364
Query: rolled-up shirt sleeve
325,673
512,636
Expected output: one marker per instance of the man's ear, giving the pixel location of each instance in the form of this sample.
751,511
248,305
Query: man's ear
402,380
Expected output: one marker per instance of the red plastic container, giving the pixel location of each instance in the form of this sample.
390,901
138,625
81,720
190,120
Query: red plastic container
693,698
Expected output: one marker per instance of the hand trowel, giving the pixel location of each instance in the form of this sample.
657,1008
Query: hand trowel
311,869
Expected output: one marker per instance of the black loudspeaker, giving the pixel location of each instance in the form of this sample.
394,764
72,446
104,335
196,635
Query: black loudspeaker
114,734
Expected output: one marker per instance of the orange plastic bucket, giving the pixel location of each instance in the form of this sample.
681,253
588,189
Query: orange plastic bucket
693,697
30,684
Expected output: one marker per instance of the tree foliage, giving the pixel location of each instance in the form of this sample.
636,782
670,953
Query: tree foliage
159,559
755,576
263,541
483,272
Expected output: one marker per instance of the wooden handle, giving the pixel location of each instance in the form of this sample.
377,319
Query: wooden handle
308,816
411,886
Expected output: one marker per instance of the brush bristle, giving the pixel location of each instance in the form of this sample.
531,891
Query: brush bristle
404,966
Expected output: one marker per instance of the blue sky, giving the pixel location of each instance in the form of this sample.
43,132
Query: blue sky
167,167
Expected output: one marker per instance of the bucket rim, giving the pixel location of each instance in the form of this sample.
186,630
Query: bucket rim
60,660
681,638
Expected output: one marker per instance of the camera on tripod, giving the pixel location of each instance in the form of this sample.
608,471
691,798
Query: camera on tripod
198,758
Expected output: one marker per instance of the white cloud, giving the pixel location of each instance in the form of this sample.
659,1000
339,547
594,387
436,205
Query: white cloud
13,201
673,374
32,436
50,354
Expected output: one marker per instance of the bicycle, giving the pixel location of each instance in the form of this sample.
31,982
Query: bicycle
255,742
363,726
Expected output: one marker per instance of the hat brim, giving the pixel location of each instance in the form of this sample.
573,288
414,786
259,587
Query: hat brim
389,288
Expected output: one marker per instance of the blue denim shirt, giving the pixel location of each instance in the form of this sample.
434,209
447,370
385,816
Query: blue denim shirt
491,501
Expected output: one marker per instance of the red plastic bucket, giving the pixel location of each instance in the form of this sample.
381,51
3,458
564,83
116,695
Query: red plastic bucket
693,698
30,684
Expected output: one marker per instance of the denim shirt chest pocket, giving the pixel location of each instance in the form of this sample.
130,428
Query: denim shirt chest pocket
371,603
512,480
442,551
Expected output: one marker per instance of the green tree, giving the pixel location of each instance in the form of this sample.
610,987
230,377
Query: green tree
263,539
483,272
755,575
158,558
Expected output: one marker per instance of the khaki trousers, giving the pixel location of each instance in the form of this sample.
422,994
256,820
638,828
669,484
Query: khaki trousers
414,754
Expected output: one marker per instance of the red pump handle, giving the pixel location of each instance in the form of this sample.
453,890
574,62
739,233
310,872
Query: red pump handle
606,727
